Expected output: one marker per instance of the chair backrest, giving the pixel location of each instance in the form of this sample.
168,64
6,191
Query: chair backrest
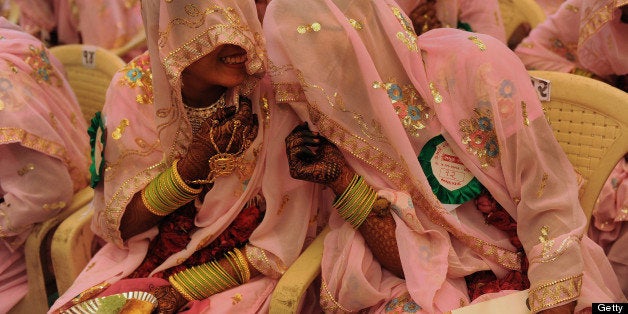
590,121
515,12
89,71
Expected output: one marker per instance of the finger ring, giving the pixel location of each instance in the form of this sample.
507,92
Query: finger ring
236,123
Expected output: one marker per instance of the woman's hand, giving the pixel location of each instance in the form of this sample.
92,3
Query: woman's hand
225,132
313,158
424,17
169,300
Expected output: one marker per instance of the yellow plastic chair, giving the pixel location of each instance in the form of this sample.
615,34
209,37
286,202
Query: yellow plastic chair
40,276
516,12
72,247
588,124
138,41
89,71
11,11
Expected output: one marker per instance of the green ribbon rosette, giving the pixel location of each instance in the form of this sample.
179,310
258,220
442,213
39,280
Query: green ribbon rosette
450,180
97,139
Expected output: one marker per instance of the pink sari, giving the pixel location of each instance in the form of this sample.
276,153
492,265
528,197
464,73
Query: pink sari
482,15
44,149
549,6
597,45
147,129
382,104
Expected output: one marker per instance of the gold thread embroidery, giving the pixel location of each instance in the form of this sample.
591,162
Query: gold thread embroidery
236,298
42,68
478,42
435,93
542,186
572,8
54,206
314,27
26,169
548,256
409,106
355,24
117,133
328,302
407,36
555,292
545,240
524,111
137,74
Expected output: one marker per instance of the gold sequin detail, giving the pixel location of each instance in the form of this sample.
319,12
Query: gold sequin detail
516,200
545,240
539,193
407,36
438,98
265,110
54,206
314,27
524,112
26,169
572,8
117,133
53,121
478,42
328,302
355,24
236,298
555,292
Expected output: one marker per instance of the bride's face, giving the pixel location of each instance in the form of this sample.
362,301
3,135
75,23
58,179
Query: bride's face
225,66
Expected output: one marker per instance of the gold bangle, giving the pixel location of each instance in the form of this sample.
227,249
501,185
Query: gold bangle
180,289
149,207
244,264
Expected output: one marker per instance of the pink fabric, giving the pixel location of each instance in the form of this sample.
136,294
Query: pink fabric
549,6
157,133
475,92
609,226
597,45
36,16
482,15
104,23
44,148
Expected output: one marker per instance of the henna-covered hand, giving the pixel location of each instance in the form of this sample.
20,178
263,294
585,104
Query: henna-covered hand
226,131
169,300
313,158
424,17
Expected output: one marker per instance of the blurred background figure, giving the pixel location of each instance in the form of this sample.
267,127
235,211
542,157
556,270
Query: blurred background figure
43,148
585,37
480,16
105,23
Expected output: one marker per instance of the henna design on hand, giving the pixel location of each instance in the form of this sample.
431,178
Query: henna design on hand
169,300
312,157
226,131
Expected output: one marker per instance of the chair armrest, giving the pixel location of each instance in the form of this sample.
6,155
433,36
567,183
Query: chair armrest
289,291
36,252
71,247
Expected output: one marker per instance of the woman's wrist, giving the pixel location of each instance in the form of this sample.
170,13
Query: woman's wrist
343,181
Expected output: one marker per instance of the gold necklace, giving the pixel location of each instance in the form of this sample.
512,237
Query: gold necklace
197,116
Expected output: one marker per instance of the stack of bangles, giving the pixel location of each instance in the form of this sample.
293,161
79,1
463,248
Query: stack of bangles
200,282
167,192
356,202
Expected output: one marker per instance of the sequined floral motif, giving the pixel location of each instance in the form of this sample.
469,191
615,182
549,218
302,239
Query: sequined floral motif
478,133
402,304
505,102
408,37
562,49
42,68
137,74
408,104
546,241
314,27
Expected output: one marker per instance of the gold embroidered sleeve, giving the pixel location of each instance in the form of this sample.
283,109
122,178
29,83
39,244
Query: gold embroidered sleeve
554,293
265,262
